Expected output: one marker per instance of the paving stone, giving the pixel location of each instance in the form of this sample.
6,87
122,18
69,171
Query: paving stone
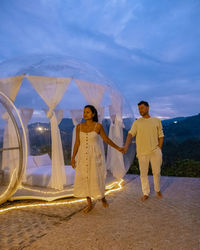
172,222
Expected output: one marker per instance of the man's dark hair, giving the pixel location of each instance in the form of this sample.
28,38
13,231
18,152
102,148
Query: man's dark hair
143,102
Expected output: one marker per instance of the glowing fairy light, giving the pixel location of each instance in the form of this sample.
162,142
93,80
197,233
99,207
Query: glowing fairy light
110,186
114,184
49,204
116,189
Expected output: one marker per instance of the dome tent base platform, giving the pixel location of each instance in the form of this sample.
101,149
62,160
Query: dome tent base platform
49,194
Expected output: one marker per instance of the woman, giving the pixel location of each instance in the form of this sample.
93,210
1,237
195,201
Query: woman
90,166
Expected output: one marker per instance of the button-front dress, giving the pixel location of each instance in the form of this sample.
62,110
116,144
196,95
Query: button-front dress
90,167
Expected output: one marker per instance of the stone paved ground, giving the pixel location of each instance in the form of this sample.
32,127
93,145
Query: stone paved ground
156,224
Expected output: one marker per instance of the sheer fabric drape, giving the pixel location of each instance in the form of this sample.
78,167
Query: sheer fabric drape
26,115
51,90
115,161
77,115
10,86
100,111
92,92
59,115
111,135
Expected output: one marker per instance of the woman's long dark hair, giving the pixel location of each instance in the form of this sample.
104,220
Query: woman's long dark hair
94,112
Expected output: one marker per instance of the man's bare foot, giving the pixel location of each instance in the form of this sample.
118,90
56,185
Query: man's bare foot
159,194
145,197
105,203
87,209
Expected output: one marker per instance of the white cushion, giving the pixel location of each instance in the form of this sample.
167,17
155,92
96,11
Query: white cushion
30,162
42,160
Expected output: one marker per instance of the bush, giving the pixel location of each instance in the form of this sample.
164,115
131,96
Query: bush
180,168
183,168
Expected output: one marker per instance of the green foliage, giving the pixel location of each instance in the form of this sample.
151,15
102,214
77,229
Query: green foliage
179,159
184,168
134,168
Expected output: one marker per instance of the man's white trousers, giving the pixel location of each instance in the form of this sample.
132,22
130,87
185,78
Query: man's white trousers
155,158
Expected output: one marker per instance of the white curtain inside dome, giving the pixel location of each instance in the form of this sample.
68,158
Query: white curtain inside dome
52,89
26,114
10,87
77,115
10,158
115,161
100,111
117,102
92,92
59,115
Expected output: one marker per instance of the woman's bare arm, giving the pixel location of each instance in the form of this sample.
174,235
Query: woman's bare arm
76,145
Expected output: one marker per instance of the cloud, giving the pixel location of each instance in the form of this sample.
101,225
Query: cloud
149,48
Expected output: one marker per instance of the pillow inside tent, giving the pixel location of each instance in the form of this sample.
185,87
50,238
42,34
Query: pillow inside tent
42,160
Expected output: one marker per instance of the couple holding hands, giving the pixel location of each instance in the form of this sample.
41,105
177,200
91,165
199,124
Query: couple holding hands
89,164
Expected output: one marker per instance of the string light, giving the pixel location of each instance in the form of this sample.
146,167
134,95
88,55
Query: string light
22,187
41,205
116,189
48,204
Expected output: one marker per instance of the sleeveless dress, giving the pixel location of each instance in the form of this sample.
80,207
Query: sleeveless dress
90,167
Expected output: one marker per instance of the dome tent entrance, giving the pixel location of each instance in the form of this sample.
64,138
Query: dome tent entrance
50,107
13,149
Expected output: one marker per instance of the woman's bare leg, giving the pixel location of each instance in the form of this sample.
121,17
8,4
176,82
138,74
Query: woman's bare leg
104,202
89,206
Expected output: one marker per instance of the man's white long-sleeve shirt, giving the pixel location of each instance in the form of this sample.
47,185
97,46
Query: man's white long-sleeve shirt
147,132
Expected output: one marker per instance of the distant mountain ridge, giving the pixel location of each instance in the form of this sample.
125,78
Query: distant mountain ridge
179,128
182,128
181,148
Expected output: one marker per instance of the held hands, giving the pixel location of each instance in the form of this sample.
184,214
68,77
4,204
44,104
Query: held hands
73,163
122,150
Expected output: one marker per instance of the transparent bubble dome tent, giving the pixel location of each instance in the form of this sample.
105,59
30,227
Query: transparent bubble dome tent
41,102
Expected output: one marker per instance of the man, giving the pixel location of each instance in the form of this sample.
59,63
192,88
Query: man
149,141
